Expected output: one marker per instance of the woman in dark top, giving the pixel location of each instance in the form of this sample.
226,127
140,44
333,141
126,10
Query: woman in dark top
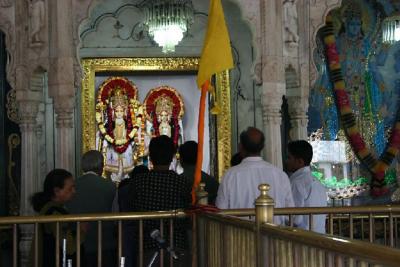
58,188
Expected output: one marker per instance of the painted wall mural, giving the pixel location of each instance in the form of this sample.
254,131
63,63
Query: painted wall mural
370,70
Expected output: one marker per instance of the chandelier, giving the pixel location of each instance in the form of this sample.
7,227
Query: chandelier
167,21
391,30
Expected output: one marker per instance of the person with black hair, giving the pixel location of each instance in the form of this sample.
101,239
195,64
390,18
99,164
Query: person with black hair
236,159
95,194
188,158
161,189
58,188
239,186
307,191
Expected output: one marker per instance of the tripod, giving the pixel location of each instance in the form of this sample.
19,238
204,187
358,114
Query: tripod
157,253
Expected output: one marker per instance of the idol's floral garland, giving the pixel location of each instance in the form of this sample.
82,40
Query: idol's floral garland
133,110
375,166
176,110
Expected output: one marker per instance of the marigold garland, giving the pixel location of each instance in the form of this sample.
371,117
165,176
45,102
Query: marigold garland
377,167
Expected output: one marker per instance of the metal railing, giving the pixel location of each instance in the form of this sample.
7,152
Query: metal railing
232,241
379,223
140,217
224,239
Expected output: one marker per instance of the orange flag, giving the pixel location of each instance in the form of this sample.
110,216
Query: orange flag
215,57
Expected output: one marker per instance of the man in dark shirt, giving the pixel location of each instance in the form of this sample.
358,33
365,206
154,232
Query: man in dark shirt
95,194
188,157
161,189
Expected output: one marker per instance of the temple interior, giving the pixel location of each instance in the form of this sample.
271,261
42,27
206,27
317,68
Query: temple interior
82,75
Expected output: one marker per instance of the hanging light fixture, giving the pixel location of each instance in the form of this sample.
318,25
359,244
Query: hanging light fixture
391,29
167,21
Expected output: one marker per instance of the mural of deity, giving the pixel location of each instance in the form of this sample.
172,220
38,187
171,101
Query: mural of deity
119,120
361,56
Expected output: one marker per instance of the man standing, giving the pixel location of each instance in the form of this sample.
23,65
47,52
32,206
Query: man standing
239,186
95,194
307,191
188,157
161,189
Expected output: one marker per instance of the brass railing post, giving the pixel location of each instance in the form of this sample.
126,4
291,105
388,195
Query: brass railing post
264,214
197,230
201,195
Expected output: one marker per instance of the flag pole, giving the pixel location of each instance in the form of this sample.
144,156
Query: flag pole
200,139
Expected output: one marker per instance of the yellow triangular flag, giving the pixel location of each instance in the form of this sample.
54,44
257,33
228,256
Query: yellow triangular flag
216,55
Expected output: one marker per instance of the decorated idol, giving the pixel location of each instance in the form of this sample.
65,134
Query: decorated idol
119,120
164,110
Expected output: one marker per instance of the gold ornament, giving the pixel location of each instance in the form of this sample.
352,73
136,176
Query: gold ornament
164,103
119,98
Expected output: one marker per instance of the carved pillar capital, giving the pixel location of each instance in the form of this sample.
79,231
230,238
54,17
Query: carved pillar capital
271,96
28,107
298,107
64,109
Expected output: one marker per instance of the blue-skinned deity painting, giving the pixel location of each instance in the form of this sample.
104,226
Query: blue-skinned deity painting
370,69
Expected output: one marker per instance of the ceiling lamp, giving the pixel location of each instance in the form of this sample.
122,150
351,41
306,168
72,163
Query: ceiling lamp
391,30
167,21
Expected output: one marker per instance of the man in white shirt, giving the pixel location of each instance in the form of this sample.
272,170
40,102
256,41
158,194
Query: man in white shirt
307,191
239,186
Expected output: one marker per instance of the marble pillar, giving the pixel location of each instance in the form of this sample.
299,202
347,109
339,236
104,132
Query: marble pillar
65,135
272,119
298,117
28,110
61,81
273,78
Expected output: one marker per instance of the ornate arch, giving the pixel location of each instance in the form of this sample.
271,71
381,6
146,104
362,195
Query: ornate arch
250,15
319,9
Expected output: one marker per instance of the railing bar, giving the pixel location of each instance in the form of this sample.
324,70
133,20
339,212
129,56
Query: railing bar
396,232
119,242
15,247
362,229
78,244
351,262
384,231
290,253
272,251
371,228
331,224
99,243
351,228
277,253
329,259
171,240
57,248
310,222
340,227
313,256
141,243
161,250
36,245
291,220
391,241
304,257
339,261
